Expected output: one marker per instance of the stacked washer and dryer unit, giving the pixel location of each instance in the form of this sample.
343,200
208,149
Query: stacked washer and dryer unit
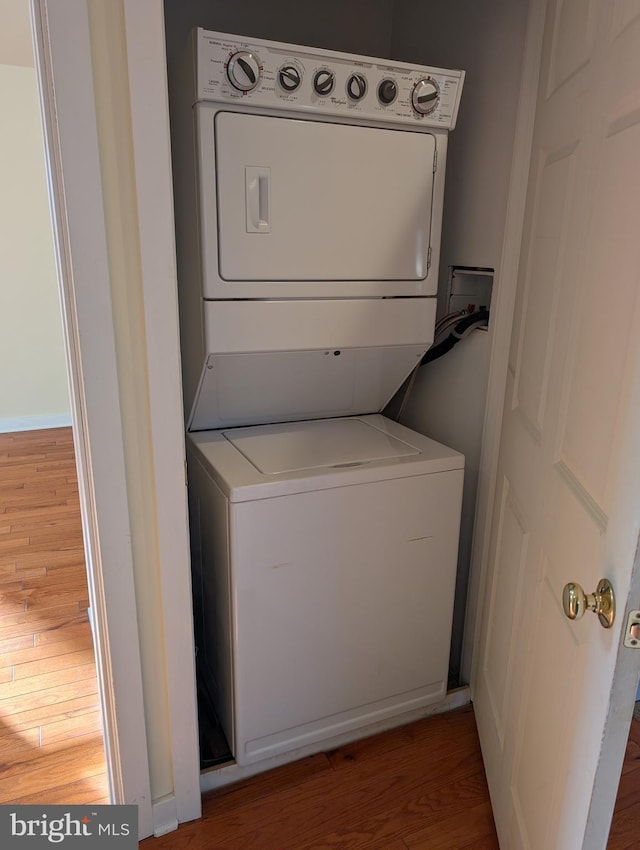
325,535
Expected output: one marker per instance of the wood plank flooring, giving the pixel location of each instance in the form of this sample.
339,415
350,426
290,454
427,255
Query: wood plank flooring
420,787
51,747
625,826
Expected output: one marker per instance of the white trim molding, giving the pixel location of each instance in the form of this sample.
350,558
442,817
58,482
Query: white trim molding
35,423
64,66
165,815
144,28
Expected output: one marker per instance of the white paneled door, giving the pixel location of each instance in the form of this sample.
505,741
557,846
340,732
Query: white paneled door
568,496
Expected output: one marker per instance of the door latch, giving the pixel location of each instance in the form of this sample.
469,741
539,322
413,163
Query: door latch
632,632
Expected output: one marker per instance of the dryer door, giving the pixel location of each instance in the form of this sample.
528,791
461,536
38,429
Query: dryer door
307,209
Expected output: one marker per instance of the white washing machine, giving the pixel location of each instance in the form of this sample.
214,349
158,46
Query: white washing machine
309,191
328,569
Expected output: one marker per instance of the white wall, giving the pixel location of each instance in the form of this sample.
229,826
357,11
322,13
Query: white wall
486,39
33,378
358,26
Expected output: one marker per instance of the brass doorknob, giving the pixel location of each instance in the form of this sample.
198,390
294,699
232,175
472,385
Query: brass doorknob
575,602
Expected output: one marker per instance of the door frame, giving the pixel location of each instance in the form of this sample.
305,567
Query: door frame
502,313
64,67
148,96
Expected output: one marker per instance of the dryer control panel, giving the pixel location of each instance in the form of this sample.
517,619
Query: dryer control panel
272,75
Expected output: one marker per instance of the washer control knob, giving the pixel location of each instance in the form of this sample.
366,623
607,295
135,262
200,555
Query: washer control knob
243,70
323,82
387,92
289,78
356,86
425,96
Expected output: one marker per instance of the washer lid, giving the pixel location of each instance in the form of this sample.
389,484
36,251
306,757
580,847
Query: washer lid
318,455
297,446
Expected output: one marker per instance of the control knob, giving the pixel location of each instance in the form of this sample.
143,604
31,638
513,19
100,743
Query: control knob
289,78
387,92
356,86
243,70
323,82
425,95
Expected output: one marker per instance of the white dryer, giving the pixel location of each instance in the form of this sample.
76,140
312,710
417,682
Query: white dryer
328,552
309,191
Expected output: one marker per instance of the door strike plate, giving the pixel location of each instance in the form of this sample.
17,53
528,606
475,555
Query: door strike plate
632,632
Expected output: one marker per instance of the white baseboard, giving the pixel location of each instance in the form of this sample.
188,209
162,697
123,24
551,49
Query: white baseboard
35,423
165,818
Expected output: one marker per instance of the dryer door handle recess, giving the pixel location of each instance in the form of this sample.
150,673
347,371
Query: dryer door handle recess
257,193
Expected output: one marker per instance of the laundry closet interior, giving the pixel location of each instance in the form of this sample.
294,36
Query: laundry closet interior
336,606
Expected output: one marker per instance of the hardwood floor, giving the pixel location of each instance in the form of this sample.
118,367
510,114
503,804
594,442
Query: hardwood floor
625,827
51,748
420,787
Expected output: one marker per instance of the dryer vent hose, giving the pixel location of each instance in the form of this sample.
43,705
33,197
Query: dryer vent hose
461,329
